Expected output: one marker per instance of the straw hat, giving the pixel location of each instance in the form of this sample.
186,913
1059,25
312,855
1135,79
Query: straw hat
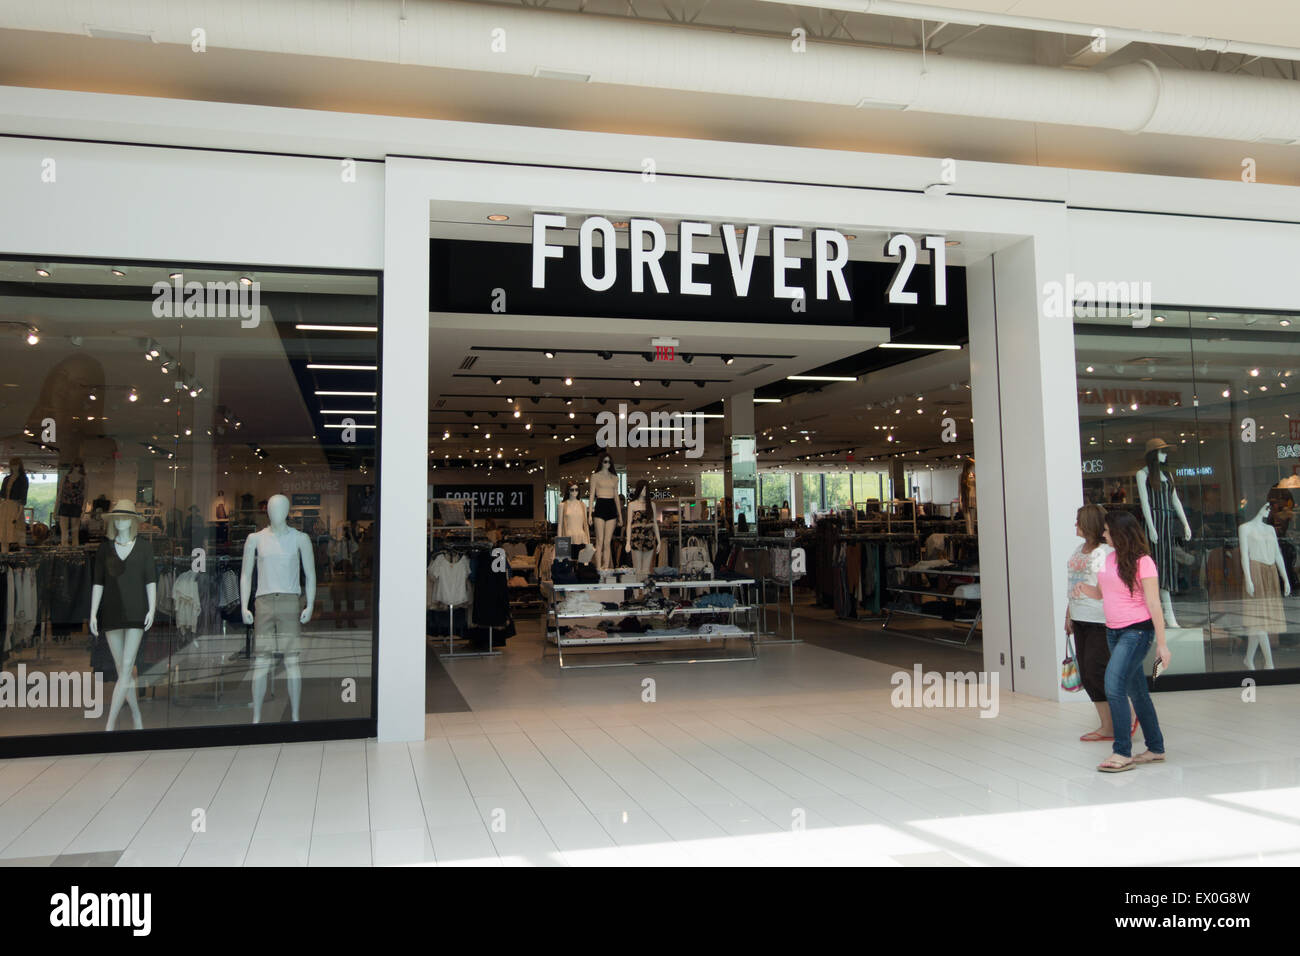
1156,444
124,508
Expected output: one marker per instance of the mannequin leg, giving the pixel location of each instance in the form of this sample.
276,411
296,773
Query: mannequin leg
123,645
293,675
604,531
641,562
1258,639
1167,602
65,527
261,669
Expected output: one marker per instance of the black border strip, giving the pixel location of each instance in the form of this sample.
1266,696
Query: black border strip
1219,679
175,738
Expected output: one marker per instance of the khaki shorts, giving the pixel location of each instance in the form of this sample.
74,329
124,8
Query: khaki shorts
276,625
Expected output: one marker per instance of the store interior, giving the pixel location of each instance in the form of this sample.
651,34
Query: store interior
185,426
808,490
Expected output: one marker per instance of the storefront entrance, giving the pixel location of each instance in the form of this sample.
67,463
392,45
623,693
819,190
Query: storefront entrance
783,489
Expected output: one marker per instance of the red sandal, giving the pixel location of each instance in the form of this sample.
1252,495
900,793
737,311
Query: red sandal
1092,736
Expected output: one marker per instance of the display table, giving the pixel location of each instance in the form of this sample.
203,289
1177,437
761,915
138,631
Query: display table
905,591
676,620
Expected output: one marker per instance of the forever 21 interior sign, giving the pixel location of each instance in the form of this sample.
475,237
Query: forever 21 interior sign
492,501
647,243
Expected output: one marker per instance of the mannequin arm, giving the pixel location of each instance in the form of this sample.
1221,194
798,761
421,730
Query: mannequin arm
654,513
246,577
591,504
151,592
1178,510
309,572
1281,569
96,595
1146,504
1242,537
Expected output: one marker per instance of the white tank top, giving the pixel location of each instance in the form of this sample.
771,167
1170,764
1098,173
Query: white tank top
279,562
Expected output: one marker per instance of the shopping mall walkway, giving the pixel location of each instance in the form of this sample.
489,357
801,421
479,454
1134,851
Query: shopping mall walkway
810,775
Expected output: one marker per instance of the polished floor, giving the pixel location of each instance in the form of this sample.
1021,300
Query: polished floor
799,757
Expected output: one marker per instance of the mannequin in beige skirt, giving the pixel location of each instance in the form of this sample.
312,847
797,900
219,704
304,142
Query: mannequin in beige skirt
1266,582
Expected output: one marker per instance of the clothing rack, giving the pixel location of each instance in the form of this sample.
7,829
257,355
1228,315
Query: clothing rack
466,548
769,542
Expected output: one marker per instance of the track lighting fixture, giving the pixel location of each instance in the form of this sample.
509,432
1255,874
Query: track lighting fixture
648,356
469,414
699,383
535,380
568,381
33,335
728,359
534,399
636,382
606,355
688,357
665,383
549,354
496,379
492,414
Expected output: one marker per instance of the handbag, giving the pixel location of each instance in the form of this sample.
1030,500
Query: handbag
1070,679
694,559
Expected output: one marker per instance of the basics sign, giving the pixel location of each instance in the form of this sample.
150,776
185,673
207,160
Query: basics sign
492,501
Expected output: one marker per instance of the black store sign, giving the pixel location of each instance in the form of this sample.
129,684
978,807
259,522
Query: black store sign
492,501
466,276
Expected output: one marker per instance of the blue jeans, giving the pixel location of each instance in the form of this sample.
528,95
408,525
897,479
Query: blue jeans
1125,681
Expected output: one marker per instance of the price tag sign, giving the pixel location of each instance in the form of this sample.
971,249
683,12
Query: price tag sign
789,532
563,549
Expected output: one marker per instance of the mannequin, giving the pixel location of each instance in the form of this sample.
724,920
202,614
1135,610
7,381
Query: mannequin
642,528
219,508
1160,507
966,493
72,498
574,517
122,601
13,498
1262,562
280,552
605,516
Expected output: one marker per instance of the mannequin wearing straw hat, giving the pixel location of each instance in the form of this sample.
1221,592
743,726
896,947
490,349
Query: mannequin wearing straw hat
1160,509
280,553
123,597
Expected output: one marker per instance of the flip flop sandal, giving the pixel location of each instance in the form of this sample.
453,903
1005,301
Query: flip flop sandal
1092,736
1149,757
1108,767
1134,728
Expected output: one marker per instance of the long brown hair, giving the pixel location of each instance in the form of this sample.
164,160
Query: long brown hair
1130,544
1092,522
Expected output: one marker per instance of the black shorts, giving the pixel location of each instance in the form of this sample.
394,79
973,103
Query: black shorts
606,509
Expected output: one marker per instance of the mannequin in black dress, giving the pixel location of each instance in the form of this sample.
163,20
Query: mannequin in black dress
122,601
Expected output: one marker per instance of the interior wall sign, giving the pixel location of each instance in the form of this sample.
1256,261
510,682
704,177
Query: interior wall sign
648,243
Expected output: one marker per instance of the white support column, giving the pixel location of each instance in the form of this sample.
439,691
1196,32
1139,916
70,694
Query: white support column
404,454
1027,460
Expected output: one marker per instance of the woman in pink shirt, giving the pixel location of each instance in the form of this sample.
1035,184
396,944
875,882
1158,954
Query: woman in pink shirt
1130,597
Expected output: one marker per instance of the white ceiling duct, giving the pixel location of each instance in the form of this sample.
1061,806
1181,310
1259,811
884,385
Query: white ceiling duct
1114,35
1137,97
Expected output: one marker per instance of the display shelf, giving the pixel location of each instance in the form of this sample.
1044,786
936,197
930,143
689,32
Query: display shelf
646,637
653,611
900,590
743,608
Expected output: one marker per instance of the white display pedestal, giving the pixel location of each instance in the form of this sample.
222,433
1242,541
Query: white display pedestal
1186,650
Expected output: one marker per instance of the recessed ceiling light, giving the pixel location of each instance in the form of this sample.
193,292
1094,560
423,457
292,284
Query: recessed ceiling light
43,272
498,217
822,378
118,272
